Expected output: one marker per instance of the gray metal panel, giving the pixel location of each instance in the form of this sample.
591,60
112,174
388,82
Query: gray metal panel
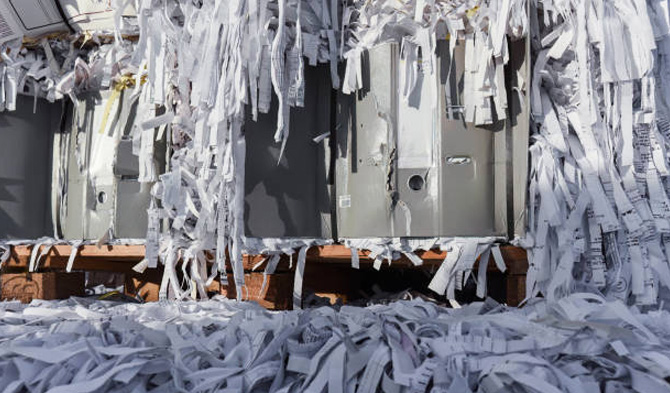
467,190
121,201
80,219
70,218
290,198
470,180
131,211
25,168
366,139
418,155
519,66
127,163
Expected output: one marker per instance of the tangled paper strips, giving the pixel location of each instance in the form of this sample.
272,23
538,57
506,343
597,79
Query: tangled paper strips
598,206
253,49
581,343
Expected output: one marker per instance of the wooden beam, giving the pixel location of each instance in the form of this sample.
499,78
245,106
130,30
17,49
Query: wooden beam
116,258
123,257
90,250
332,262
515,258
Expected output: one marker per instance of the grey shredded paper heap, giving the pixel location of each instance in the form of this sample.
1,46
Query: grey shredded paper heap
581,343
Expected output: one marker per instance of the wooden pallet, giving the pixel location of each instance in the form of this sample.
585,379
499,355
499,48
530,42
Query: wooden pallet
332,262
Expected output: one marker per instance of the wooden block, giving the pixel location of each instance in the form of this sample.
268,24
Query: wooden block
278,294
515,286
147,285
257,263
47,285
516,259
146,290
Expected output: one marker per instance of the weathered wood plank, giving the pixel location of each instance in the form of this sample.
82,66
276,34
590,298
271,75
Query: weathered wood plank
48,285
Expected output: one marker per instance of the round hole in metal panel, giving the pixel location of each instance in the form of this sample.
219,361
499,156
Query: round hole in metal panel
102,197
416,182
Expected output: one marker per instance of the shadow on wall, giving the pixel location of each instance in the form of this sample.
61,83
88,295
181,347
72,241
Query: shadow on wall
289,198
25,168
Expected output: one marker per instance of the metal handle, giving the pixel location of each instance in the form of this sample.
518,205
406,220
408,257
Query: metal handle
459,160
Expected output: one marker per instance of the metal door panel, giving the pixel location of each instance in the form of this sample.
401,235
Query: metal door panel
366,141
113,197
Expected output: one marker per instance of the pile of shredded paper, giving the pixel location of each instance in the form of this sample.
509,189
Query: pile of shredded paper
598,209
599,213
581,343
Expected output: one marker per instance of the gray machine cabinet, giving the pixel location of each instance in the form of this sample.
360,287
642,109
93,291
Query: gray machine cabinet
86,209
290,197
404,169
